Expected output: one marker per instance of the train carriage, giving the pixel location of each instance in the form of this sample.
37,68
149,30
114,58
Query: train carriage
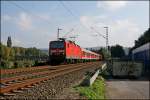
142,53
68,52
73,52
89,55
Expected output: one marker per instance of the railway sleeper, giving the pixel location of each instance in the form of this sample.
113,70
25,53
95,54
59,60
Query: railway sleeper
24,78
17,91
44,81
9,94
38,82
2,98
35,84
24,88
30,86
18,81
6,84
10,82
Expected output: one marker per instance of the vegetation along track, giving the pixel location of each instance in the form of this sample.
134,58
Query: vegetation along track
45,76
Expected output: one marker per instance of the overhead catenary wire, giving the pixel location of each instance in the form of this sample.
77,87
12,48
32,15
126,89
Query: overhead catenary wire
96,41
72,14
93,29
27,11
67,9
68,33
89,28
47,21
101,35
98,33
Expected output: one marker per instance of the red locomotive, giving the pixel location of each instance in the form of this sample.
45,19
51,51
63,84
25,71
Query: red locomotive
68,52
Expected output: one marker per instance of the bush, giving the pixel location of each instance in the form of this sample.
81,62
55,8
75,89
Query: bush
18,64
6,64
36,63
28,63
39,63
95,91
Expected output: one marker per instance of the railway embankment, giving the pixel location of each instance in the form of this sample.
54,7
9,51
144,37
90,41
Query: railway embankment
84,90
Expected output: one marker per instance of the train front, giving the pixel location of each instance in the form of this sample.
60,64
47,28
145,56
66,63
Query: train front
56,52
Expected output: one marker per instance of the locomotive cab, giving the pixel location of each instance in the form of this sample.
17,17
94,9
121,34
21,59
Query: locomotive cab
57,51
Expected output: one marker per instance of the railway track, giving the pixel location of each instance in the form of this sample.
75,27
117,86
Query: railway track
21,71
29,80
30,75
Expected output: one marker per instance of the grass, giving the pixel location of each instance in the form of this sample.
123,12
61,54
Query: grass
95,91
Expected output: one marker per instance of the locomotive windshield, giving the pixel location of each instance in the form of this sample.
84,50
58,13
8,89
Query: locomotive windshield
57,44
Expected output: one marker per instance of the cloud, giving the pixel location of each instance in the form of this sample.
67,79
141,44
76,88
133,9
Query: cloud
44,16
24,21
89,21
111,5
123,31
85,21
6,18
16,42
87,37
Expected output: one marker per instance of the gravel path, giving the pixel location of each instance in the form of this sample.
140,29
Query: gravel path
127,89
54,87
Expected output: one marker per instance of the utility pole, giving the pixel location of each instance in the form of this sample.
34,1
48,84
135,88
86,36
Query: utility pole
107,38
107,43
58,33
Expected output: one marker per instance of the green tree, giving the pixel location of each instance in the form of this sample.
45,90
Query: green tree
7,53
9,43
2,51
117,51
105,53
22,51
17,51
145,38
12,54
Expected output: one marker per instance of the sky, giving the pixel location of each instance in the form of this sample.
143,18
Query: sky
35,23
